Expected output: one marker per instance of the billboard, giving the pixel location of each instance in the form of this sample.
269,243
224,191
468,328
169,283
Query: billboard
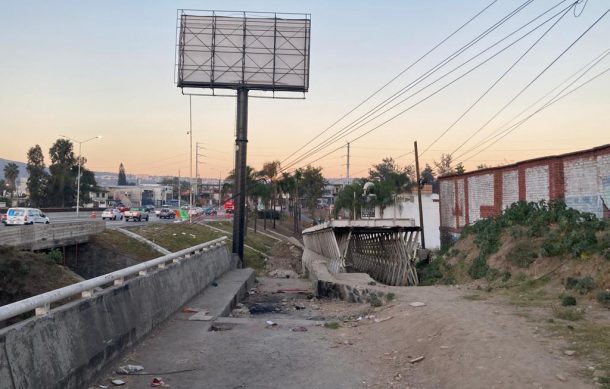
231,50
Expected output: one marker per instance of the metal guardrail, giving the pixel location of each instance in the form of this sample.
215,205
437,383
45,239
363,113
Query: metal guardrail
42,302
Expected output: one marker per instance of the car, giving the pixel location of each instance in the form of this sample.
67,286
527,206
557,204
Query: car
17,216
149,208
167,213
112,214
122,208
210,211
135,214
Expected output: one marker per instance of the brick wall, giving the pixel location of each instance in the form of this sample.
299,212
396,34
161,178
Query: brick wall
581,179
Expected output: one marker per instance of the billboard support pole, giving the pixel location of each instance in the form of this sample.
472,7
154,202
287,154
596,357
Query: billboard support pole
241,143
421,213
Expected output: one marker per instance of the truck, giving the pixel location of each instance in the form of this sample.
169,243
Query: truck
229,206
135,214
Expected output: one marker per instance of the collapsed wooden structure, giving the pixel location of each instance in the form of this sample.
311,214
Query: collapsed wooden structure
384,249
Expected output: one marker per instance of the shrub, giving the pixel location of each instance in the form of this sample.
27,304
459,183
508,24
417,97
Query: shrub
390,296
479,267
375,300
604,298
430,273
568,300
566,313
333,325
522,254
55,255
506,276
581,285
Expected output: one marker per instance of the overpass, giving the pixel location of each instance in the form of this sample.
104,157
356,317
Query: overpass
46,236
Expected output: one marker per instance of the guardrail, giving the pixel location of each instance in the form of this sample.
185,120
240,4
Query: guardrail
41,303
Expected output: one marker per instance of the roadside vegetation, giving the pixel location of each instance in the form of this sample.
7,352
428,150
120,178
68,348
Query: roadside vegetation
179,236
550,261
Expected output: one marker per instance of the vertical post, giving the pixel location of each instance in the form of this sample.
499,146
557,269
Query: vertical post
421,214
179,191
241,143
191,158
80,145
347,173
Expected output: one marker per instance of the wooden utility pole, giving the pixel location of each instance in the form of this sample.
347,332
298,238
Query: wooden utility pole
421,214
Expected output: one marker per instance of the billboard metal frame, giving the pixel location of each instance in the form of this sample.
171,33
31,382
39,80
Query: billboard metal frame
205,39
263,62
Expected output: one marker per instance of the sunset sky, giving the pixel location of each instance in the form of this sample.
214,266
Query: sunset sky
107,68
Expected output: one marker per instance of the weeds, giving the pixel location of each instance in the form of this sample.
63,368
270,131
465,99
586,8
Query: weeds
568,300
375,300
565,313
604,298
333,325
390,296
581,285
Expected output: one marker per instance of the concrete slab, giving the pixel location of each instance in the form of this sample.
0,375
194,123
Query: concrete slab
240,352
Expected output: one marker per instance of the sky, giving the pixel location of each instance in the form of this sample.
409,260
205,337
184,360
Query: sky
83,69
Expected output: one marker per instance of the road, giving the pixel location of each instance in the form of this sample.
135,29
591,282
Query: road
66,217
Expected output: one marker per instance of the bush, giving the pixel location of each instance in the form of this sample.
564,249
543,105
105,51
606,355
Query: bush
568,300
479,267
581,285
565,313
522,254
604,298
429,273
375,300
55,255
506,276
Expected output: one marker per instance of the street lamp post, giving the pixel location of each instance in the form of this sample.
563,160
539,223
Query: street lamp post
80,145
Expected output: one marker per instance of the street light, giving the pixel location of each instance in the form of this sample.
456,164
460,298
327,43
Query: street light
80,145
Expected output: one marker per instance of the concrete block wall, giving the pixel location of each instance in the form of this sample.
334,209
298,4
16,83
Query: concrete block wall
68,346
581,179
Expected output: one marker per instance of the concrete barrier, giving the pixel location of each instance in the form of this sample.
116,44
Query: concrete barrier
69,345
44,236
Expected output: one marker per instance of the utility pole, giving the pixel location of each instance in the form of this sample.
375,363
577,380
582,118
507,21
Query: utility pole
198,146
219,190
241,144
179,191
421,214
347,173
191,158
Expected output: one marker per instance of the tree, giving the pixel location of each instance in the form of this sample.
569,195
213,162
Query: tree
389,180
87,182
483,166
270,172
62,188
11,172
38,180
311,185
444,167
427,175
350,198
122,175
459,169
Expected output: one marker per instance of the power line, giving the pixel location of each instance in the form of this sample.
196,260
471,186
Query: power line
330,140
392,80
534,80
584,70
497,81
551,102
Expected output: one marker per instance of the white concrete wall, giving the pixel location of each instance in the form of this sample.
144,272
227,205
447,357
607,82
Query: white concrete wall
410,210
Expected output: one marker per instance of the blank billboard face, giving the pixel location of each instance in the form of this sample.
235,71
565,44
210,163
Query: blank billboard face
230,52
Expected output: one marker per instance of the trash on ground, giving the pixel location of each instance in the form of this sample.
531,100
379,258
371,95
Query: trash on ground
417,304
118,382
157,381
418,359
379,320
190,310
214,283
129,369
271,323
299,329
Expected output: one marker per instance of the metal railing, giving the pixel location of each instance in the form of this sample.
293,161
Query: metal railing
41,303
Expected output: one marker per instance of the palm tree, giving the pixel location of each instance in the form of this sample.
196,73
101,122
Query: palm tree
11,172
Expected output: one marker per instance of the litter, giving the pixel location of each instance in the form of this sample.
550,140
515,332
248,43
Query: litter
190,310
418,359
299,329
417,304
129,369
103,386
383,319
271,323
157,381
118,382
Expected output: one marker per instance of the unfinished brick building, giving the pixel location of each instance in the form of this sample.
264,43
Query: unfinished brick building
581,179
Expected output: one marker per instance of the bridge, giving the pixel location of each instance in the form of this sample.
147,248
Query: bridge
46,236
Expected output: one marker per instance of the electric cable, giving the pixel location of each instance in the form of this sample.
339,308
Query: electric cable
393,79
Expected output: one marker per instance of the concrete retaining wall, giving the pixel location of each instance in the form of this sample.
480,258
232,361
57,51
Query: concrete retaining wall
65,348
44,236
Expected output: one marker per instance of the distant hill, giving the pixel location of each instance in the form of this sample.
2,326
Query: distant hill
21,165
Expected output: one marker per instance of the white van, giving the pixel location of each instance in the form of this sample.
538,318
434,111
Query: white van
16,216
